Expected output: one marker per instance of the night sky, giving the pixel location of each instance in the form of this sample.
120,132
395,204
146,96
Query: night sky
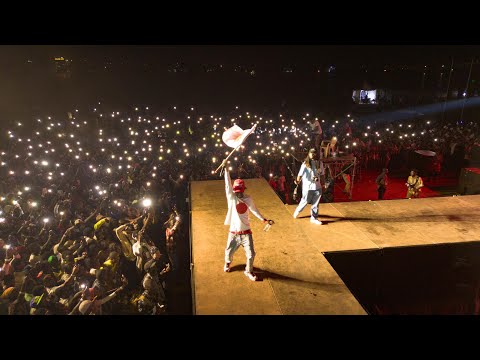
26,90
261,54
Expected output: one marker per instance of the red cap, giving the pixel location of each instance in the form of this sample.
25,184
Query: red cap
238,185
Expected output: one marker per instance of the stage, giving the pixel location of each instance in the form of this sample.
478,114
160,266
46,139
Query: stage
296,278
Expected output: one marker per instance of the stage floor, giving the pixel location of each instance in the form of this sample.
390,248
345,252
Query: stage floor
296,279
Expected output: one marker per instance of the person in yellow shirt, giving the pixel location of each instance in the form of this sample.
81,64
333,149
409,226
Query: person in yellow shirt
414,185
100,223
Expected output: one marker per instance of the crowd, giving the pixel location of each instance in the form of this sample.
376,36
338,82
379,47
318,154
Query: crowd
94,204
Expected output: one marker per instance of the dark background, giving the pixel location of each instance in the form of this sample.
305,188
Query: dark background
322,78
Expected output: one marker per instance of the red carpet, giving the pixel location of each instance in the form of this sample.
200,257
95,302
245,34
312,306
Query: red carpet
365,189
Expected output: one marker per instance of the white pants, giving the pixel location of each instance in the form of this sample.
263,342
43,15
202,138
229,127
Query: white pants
234,242
315,199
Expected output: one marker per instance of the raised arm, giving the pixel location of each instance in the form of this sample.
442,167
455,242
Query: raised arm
65,235
228,183
95,212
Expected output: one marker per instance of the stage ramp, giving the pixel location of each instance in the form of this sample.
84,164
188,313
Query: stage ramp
296,278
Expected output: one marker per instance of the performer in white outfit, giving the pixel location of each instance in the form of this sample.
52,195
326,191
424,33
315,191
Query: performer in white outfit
237,217
312,178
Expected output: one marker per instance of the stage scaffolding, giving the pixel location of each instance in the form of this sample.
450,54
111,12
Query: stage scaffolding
340,165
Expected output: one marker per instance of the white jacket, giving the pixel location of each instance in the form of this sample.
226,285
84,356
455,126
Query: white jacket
238,214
